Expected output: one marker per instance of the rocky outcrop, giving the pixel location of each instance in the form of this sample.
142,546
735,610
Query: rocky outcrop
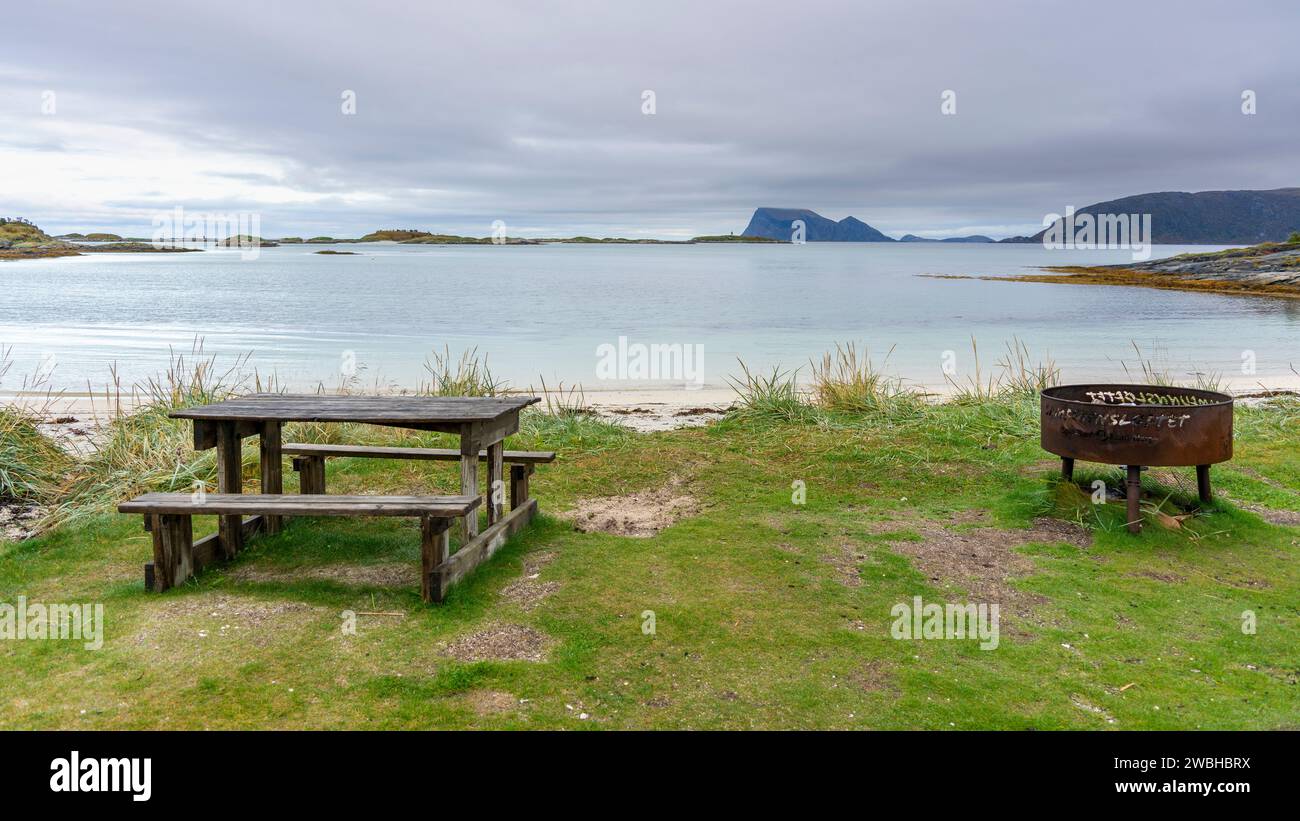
1267,264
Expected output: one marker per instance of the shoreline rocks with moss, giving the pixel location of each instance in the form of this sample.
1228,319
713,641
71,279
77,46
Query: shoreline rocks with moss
1270,263
1269,269
23,240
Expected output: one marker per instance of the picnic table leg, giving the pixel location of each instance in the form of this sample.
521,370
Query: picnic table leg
496,487
311,473
434,548
519,485
469,479
229,480
272,470
173,551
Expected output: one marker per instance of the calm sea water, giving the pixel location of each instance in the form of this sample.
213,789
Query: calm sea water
543,311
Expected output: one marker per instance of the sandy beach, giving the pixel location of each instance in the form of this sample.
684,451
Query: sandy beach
72,419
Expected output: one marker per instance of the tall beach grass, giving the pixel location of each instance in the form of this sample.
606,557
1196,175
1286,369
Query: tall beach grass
32,465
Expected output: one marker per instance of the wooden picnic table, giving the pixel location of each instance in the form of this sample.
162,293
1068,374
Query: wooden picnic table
480,422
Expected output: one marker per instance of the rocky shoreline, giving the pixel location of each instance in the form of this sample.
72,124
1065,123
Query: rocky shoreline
1269,264
1270,269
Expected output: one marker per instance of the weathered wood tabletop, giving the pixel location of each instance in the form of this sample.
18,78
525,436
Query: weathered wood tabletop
479,421
373,410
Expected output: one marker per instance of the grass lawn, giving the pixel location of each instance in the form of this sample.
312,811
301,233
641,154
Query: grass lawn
766,613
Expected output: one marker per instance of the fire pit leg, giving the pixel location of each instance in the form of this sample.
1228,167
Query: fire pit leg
1203,483
1067,468
1134,499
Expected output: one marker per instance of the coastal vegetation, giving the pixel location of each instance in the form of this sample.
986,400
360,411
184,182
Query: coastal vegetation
247,240
394,235
23,240
1268,269
136,247
766,610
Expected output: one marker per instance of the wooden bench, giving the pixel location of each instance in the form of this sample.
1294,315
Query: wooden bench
309,462
177,556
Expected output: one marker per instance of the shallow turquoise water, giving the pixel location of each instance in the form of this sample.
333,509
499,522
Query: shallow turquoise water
543,311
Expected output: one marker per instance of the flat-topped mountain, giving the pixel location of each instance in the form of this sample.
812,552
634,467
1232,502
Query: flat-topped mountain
778,224
1207,217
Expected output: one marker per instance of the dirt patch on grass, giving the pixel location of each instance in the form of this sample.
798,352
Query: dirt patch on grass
874,677
491,702
982,560
1288,518
1259,477
1083,704
535,562
1047,529
846,561
1166,577
252,612
501,642
214,616
639,515
18,520
404,574
1279,517
528,592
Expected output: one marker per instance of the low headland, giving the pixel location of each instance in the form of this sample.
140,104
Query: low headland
20,239
1268,269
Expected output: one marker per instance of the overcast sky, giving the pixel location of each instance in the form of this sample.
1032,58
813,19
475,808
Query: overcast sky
532,112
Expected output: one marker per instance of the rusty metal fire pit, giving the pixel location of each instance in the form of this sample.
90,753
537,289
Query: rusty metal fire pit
1137,426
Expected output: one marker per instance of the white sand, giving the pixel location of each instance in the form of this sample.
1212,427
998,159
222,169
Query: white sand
644,409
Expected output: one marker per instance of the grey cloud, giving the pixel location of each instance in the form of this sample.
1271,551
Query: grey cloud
531,112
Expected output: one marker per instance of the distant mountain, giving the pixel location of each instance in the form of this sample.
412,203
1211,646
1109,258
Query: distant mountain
1207,217
778,224
971,238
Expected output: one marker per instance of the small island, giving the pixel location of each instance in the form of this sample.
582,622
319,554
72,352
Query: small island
248,241
22,239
